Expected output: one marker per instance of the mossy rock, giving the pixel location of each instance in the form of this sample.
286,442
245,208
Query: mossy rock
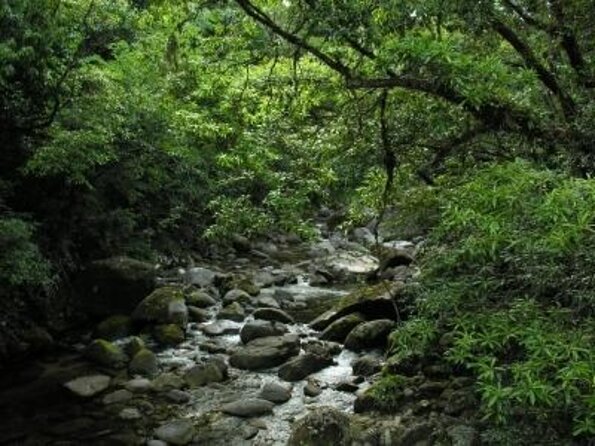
372,302
338,330
385,395
144,363
323,426
114,327
200,299
168,334
242,283
134,345
157,307
106,354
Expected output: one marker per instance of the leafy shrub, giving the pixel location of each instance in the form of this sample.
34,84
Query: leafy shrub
508,272
21,263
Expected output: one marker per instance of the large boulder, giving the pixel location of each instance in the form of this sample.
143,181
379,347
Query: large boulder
302,366
165,305
168,334
323,426
179,432
373,302
200,299
273,314
114,327
337,331
201,277
264,353
276,392
114,285
261,329
233,312
369,335
209,372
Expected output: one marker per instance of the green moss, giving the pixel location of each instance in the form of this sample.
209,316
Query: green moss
155,306
169,334
106,353
114,327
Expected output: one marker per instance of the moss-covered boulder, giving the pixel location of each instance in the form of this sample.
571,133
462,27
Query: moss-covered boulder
200,299
144,363
337,331
113,285
233,312
373,302
165,305
373,334
168,334
114,327
134,345
105,353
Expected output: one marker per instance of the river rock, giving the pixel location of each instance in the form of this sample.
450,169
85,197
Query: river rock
113,285
265,302
167,381
138,385
196,314
106,354
246,408
201,277
168,334
366,365
114,327
200,299
130,413
264,353
178,396
323,426
165,305
118,396
221,327
87,386
372,302
273,314
337,331
134,345
302,366
347,266
261,329
369,335
179,432
233,312
202,374
364,236
236,295
275,392
312,388
144,363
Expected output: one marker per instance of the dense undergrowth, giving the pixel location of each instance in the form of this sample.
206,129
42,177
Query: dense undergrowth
507,288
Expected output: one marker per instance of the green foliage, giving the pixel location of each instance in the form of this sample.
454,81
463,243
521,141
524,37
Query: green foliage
21,263
508,274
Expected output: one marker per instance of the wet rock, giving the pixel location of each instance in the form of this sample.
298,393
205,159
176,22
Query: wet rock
263,353
373,302
130,413
156,443
134,345
178,396
312,388
236,295
347,266
302,366
201,277
212,347
118,396
138,385
275,392
169,334
105,353
87,386
323,426
322,348
114,327
144,363
179,432
261,329
233,312
246,408
347,386
265,302
202,374
463,435
196,314
200,299
219,328
165,305
167,381
369,335
273,314
338,330
366,365
114,285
